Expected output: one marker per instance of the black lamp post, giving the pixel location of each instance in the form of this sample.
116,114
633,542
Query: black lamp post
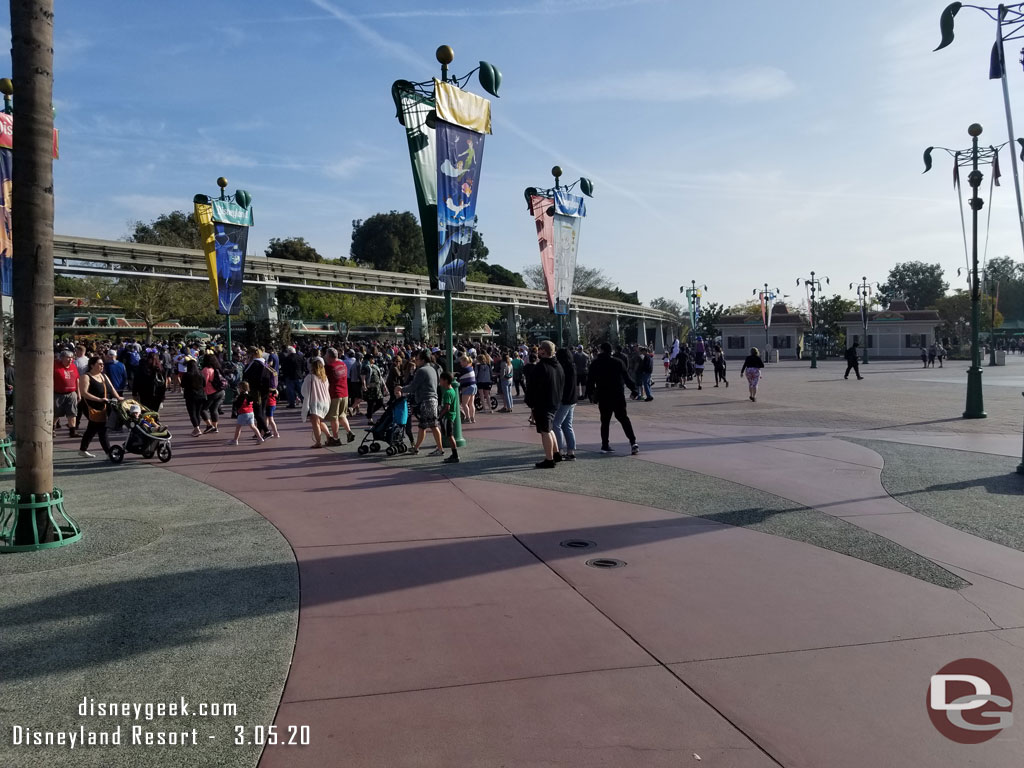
864,297
814,283
767,298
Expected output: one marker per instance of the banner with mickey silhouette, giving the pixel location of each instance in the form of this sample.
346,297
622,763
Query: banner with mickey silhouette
224,228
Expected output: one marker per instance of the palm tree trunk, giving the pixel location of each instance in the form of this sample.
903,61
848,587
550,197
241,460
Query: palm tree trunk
32,234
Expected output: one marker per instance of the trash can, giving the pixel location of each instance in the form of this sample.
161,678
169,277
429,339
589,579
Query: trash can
1000,357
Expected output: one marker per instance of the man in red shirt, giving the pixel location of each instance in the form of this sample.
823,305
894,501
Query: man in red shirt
65,391
337,383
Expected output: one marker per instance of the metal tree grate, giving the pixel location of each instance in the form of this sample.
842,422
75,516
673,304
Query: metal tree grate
12,507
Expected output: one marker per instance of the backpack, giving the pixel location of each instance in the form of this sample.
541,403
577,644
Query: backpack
134,359
375,380
218,382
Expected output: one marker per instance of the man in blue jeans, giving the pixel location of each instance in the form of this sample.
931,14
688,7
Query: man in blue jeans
646,370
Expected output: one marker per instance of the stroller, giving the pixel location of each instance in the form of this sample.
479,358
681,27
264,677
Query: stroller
389,428
146,435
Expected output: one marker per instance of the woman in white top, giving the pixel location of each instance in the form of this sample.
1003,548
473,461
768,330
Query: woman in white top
316,398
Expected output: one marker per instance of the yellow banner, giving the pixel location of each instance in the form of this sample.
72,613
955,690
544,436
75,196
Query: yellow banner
204,218
455,105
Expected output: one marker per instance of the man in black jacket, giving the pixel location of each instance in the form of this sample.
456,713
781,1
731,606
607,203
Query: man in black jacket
543,396
851,361
608,375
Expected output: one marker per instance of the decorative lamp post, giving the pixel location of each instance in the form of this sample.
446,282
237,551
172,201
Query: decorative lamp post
814,286
767,298
557,214
864,297
972,158
693,296
1009,21
445,129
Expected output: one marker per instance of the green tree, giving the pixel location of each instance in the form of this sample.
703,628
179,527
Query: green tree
829,314
749,308
1005,280
919,283
293,249
174,230
391,241
587,281
955,313
351,309
499,275
707,323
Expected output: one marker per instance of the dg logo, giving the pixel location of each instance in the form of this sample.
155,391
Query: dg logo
970,701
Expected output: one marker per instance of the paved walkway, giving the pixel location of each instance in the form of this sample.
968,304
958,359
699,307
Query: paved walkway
442,622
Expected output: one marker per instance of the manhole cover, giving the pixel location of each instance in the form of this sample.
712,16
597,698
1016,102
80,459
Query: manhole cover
605,562
578,544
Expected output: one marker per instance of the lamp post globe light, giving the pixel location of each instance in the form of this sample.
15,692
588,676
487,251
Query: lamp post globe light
971,158
864,299
445,129
557,214
813,286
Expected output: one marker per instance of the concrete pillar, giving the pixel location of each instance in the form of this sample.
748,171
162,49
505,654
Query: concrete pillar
616,336
420,321
641,332
266,308
573,331
659,338
512,324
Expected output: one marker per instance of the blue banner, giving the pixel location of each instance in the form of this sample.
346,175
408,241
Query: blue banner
6,243
459,155
230,241
568,204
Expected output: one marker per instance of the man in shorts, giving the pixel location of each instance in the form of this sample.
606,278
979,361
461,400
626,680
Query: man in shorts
337,383
423,393
543,396
65,392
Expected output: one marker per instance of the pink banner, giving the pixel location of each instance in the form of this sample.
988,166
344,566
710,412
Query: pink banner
7,134
540,207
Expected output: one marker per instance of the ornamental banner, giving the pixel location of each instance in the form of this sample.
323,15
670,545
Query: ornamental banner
413,111
567,239
6,243
7,134
224,229
540,207
460,153
767,304
460,107
568,204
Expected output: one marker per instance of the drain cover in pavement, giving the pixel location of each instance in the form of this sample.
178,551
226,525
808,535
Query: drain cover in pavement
605,562
578,544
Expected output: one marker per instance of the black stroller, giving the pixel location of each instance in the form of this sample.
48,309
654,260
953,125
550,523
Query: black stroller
389,429
146,435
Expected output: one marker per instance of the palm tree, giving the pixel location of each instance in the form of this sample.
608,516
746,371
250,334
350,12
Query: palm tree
32,231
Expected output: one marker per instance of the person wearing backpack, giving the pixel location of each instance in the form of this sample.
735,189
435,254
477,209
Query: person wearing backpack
150,384
215,386
373,386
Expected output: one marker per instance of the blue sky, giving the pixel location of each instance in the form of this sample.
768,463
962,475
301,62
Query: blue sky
729,143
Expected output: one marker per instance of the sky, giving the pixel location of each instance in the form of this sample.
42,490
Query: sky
729,143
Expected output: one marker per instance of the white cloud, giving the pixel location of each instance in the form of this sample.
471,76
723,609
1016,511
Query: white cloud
147,207
737,86
345,168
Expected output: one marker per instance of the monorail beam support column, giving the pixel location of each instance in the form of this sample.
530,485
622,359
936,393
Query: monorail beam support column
659,338
420,321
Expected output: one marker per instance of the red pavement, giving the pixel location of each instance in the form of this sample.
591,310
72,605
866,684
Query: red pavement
441,624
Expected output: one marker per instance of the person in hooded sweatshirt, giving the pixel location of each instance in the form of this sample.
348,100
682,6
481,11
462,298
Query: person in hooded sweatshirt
543,396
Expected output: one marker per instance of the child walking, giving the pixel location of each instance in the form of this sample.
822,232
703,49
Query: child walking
449,402
271,408
243,407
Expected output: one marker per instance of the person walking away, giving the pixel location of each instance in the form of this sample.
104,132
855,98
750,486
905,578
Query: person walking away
467,388
290,378
316,399
150,384
95,390
483,380
244,406
338,380
449,402
517,374
931,356
719,364
752,366
581,362
258,377
562,424
699,358
543,396
423,394
607,378
924,357
940,353
65,392
115,370
373,386
271,409
852,363
193,387
646,370
214,385
353,362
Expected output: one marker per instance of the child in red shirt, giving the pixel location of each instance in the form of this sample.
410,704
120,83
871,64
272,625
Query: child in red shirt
243,407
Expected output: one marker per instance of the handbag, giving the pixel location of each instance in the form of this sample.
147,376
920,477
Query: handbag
98,415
